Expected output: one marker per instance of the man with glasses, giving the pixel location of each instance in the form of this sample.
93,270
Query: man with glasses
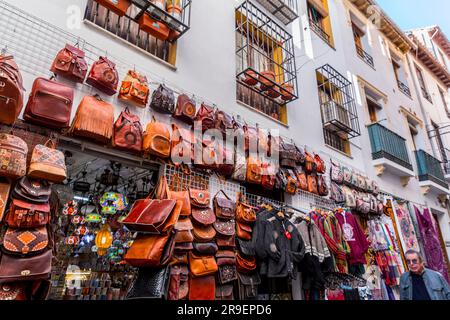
421,283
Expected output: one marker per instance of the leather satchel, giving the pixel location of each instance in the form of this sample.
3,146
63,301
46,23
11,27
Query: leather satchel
48,163
245,265
27,215
157,139
163,100
206,116
25,242
244,231
128,133
225,208
103,76
201,266
186,109
225,292
225,228
205,249
153,216
32,190
288,155
70,63
11,91
268,178
13,152
183,231
202,288
254,170
227,271
151,250
94,120
204,216
204,233
5,188
248,285
134,89
245,213
200,198
150,283
49,104
16,268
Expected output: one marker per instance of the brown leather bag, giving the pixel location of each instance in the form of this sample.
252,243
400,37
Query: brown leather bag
245,213
128,133
302,180
206,116
322,187
13,152
320,164
163,100
49,104
11,90
225,228
225,292
204,233
268,177
27,215
226,242
243,231
312,184
157,139
151,250
183,144
17,268
134,89
245,265
70,63
94,120
205,248
201,266
103,76
224,122
26,241
178,283
204,216
202,288
225,208
251,138
119,7
185,110
179,258
200,198
182,195
254,170
183,231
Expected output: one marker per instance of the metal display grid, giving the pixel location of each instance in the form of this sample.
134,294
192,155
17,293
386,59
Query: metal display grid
179,180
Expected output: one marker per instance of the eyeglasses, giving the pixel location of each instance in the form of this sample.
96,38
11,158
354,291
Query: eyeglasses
413,261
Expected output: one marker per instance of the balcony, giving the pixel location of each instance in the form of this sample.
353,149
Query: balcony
404,88
285,10
431,174
426,95
446,167
367,58
320,32
389,153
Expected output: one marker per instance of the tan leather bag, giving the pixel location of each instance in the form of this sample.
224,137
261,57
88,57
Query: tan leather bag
157,139
47,163
201,266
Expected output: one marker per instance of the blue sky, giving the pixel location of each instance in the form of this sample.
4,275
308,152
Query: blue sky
410,14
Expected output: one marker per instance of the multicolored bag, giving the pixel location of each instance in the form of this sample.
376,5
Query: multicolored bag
13,156
47,163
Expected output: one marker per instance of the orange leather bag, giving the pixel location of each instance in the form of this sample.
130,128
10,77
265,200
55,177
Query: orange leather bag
202,288
254,170
201,266
183,142
312,184
135,89
245,213
245,266
244,231
157,139
204,233
182,196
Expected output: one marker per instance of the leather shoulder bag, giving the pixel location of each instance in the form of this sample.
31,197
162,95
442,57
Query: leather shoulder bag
206,116
157,139
225,208
32,190
163,100
128,133
27,215
70,63
103,76
186,109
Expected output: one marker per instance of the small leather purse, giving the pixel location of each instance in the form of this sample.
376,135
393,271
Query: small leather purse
225,228
203,233
200,198
205,249
201,266
183,231
204,216
245,265
226,242
225,208
244,231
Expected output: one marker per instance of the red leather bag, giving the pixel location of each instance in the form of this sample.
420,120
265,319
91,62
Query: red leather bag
206,116
49,104
27,215
119,7
104,76
202,288
185,109
11,90
70,63
128,133
183,144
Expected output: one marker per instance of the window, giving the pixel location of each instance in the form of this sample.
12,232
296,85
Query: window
265,61
319,20
360,38
444,101
422,84
414,134
400,75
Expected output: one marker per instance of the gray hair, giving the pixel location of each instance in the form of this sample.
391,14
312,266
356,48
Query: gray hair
411,251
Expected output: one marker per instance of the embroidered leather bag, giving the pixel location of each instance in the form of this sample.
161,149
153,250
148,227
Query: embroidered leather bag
47,163
225,228
27,215
201,266
206,116
186,109
200,198
245,213
94,120
204,216
245,265
70,63
128,133
157,139
348,176
13,155
11,91
31,190
225,208
135,89
350,200
25,242
163,100
49,104
103,76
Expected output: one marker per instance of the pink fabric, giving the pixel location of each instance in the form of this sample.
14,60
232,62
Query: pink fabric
406,229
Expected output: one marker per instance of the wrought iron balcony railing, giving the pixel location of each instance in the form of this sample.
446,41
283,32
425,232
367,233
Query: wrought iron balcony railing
319,31
285,10
404,88
430,169
367,58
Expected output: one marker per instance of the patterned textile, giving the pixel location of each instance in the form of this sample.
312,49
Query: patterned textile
406,230
431,243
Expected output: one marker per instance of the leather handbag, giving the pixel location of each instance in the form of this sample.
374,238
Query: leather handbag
163,100
246,247
204,217
17,268
268,177
227,271
225,228
202,288
49,104
128,133
245,213
223,122
153,27
248,285
150,283
322,187
240,167
243,231
225,292
320,164
11,90
225,208
134,89
5,188
179,258
204,233
103,76
288,155
94,120
182,195
47,163
25,242
153,216
70,63
178,283
183,231
185,110
200,198
312,184
157,139
201,266
251,139
206,116
151,250
254,171
336,173
183,144
119,7
302,180
245,265
31,190
27,215
205,249
226,242
13,155
310,165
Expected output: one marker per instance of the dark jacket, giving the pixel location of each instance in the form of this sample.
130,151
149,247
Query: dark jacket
437,286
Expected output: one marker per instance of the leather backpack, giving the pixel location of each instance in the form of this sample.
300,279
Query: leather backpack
49,104
322,187
128,133
119,7
26,215
70,63
94,120
186,109
288,155
312,184
206,116
302,179
103,76
183,144
223,122
320,164
11,90
13,155
163,100
157,139
310,165
134,89
31,190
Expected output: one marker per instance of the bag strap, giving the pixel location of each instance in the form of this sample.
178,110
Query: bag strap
50,144
223,192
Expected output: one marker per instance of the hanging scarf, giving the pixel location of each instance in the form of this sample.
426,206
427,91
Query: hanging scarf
332,233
